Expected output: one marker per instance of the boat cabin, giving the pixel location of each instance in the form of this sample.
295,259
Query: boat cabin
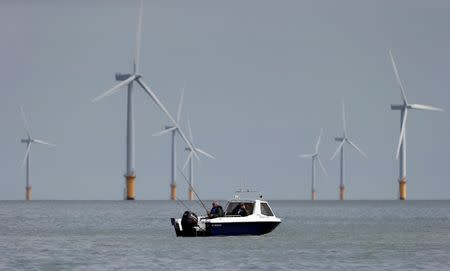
251,206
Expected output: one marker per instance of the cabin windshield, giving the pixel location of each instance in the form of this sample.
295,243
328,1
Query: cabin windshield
249,206
265,209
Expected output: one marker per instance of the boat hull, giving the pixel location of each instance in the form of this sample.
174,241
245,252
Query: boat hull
240,228
226,228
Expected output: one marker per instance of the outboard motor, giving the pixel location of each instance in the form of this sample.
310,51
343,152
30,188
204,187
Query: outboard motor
188,222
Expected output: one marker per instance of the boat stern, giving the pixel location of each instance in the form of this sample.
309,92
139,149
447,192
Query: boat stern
176,223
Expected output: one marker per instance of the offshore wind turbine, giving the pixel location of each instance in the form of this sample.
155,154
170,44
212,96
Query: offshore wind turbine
190,161
344,139
401,148
173,166
315,157
26,161
128,80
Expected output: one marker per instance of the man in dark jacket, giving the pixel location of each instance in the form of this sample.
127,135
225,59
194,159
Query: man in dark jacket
240,210
216,210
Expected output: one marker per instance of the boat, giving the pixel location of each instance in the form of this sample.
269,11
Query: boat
260,220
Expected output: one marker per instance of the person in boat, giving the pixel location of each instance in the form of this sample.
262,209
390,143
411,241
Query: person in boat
216,210
240,210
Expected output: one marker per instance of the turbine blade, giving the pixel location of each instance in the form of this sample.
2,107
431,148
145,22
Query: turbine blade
25,123
343,118
321,166
357,148
43,142
397,77
190,129
402,133
192,137
188,159
205,153
425,107
114,89
138,37
165,131
338,148
26,154
306,155
318,140
180,105
163,108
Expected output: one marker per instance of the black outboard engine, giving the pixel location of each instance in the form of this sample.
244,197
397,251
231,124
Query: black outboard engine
188,222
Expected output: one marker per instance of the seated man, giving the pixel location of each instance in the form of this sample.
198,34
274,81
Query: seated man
216,210
240,210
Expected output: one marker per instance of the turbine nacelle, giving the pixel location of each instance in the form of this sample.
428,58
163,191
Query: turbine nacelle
125,76
398,106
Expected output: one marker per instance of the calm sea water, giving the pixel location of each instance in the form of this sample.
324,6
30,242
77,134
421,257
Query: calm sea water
322,235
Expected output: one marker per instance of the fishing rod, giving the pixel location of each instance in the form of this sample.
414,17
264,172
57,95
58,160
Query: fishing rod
192,190
185,178
185,206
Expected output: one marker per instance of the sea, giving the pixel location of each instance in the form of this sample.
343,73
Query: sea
138,235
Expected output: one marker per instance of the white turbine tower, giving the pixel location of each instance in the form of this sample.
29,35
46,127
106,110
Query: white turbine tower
401,148
29,140
128,80
344,139
315,157
191,162
174,130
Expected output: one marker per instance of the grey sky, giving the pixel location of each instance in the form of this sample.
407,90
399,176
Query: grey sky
262,78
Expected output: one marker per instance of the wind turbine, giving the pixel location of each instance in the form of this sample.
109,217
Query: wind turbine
191,162
315,157
401,148
174,130
128,80
344,139
29,140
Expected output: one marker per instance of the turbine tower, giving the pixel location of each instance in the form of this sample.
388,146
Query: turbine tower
173,130
191,162
344,139
128,80
401,148
29,140
315,157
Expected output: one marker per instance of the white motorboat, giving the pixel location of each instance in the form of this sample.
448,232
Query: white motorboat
259,220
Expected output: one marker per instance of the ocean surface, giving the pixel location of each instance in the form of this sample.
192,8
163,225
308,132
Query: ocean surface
321,235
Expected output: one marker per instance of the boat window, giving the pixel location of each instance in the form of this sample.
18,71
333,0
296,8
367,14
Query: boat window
249,206
265,209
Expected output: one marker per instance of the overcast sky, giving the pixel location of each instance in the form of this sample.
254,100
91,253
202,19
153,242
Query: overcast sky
262,78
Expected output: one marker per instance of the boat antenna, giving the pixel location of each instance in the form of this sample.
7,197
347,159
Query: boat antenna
193,190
